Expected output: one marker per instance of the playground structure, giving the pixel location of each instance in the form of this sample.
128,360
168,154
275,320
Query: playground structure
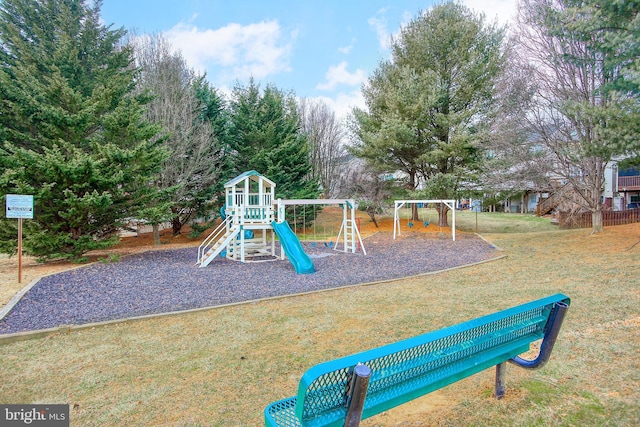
249,227
451,204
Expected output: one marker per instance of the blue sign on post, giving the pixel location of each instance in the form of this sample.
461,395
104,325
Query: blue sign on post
19,206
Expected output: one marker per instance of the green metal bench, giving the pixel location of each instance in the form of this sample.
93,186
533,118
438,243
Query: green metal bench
346,390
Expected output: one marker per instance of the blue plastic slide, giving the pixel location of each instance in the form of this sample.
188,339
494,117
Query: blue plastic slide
293,248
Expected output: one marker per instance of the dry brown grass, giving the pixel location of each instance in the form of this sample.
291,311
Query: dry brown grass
223,366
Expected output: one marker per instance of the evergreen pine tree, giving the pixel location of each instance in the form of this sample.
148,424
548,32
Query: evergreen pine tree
428,108
71,132
214,111
265,136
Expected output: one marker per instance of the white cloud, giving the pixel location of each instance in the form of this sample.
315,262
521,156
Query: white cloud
379,23
338,75
503,10
238,51
343,103
346,49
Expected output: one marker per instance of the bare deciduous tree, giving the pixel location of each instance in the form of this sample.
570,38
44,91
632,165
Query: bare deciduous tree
194,163
574,68
515,161
325,136
360,181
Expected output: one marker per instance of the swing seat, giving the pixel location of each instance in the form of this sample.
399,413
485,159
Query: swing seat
426,223
410,224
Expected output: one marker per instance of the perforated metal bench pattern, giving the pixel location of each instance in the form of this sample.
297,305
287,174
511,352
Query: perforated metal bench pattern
407,369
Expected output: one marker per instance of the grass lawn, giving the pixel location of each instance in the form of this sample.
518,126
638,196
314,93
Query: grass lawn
487,222
221,367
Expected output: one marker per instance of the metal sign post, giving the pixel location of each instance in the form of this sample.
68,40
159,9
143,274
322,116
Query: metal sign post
19,206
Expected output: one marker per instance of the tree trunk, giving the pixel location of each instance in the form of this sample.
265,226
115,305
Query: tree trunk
372,214
596,222
414,212
443,210
412,186
176,225
156,235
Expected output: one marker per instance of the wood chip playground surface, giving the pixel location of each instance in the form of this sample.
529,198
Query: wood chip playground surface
164,281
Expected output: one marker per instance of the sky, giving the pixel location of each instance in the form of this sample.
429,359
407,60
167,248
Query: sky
322,49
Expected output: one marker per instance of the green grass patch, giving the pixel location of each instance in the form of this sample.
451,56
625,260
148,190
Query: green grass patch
498,222
487,222
110,258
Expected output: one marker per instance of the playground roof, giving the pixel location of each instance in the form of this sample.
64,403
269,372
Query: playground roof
252,175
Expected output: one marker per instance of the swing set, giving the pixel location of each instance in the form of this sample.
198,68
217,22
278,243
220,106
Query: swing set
400,203
348,236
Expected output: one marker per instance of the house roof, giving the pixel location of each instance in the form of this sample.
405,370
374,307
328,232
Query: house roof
252,175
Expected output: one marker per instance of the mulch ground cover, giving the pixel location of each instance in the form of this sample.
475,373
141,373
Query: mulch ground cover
169,280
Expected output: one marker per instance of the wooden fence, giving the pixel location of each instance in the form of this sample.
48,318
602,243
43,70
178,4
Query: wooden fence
568,220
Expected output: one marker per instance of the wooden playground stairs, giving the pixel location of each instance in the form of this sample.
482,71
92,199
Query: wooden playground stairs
553,201
216,242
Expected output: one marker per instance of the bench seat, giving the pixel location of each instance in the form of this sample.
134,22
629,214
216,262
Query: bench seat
408,369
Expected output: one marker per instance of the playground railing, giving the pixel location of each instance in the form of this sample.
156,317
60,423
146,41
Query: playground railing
260,214
346,390
212,238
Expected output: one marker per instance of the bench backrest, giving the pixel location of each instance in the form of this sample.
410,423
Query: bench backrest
413,367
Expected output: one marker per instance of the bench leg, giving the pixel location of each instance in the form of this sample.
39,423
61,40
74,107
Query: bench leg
551,332
359,385
501,371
